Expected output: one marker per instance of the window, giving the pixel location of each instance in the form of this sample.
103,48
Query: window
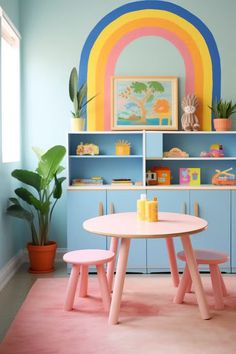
10,90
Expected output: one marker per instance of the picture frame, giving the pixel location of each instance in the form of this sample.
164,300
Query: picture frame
144,103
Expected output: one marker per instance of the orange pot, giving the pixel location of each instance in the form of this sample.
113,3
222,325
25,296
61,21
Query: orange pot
42,257
222,124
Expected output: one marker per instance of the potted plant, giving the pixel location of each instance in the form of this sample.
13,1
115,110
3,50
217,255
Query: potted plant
36,203
79,99
223,111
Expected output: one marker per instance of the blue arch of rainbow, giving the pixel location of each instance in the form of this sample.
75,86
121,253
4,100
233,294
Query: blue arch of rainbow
139,7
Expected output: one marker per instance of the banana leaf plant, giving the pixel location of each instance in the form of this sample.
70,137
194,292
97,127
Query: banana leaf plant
36,203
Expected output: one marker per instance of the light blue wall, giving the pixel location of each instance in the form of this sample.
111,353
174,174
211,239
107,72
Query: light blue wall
53,34
10,229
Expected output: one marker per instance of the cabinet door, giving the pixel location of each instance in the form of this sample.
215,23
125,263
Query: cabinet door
233,230
124,201
213,206
83,205
168,201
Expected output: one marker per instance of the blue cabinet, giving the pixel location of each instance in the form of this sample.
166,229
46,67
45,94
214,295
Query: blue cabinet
168,201
82,205
233,231
123,201
214,206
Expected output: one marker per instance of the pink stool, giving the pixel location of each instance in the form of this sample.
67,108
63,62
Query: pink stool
213,259
80,261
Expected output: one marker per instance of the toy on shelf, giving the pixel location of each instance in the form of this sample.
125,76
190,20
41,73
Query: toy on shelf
93,181
175,152
158,175
122,147
216,150
87,149
224,177
189,120
190,176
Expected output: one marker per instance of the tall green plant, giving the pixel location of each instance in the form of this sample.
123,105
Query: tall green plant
78,97
36,203
223,109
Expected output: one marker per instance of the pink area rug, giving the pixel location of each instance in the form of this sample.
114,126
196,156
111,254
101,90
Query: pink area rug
149,321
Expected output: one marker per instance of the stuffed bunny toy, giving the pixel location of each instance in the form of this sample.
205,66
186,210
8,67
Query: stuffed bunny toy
189,120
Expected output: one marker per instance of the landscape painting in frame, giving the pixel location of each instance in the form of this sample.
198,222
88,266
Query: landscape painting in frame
144,103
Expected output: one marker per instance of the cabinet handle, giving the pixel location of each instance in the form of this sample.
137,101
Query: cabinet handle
111,209
100,209
184,208
196,209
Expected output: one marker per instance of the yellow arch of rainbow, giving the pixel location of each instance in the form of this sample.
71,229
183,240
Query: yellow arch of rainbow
115,30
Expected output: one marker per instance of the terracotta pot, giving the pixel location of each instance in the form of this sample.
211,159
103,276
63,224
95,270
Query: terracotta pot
77,124
222,124
42,257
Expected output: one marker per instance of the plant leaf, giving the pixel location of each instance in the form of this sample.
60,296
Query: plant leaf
57,191
50,162
28,177
19,212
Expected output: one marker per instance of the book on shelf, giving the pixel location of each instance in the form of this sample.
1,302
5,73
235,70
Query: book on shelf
94,181
122,181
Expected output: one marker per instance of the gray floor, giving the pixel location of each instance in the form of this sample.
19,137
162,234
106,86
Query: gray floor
14,293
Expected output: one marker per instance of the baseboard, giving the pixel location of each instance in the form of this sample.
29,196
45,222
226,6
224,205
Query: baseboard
10,268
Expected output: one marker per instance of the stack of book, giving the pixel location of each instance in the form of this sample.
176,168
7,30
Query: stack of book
121,181
93,181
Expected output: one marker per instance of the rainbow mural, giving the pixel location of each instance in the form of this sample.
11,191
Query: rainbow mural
120,27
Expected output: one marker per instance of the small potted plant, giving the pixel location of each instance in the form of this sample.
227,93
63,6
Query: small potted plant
223,111
79,99
35,204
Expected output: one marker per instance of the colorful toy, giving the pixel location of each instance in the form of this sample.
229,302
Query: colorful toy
216,150
223,177
189,120
190,176
163,175
175,152
122,147
87,149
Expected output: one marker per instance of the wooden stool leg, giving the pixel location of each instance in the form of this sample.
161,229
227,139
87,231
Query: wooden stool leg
217,286
71,288
224,290
172,261
105,291
183,286
111,265
83,281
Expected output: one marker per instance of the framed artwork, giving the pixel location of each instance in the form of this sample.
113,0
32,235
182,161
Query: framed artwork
144,102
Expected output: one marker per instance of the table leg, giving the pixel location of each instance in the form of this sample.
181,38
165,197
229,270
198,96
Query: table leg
196,279
119,281
172,260
111,265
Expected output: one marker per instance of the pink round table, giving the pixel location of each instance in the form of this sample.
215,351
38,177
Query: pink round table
126,226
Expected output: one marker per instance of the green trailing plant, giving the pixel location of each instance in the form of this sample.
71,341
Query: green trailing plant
35,204
223,109
78,96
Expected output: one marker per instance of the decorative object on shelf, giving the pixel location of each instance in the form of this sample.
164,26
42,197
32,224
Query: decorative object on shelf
93,181
189,120
190,176
151,178
224,177
216,150
145,103
48,187
175,152
79,99
87,149
163,174
222,111
122,147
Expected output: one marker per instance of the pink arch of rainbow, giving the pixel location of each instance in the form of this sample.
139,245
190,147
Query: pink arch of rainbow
128,38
